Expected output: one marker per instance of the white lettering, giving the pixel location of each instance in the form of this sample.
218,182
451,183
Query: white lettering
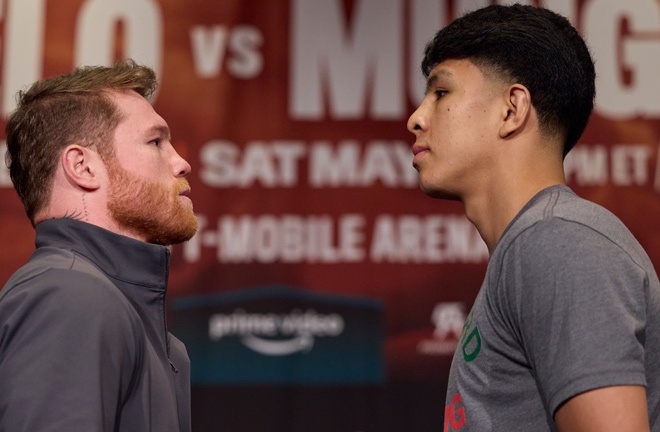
587,166
387,163
426,239
208,49
630,165
427,16
246,61
332,167
277,164
270,164
210,44
241,324
290,238
24,48
322,48
142,23
322,239
603,21
600,165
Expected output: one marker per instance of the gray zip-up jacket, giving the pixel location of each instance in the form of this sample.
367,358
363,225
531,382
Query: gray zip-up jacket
83,337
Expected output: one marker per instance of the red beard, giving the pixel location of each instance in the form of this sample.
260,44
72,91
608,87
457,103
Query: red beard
148,210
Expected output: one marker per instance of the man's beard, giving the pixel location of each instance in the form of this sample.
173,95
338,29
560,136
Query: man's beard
148,210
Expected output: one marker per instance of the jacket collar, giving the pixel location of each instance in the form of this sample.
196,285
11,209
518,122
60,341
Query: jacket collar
128,260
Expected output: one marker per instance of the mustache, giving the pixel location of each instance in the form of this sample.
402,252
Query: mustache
181,186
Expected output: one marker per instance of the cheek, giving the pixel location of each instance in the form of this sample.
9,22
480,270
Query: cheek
147,166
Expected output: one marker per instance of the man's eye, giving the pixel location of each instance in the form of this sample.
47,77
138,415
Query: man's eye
156,141
440,93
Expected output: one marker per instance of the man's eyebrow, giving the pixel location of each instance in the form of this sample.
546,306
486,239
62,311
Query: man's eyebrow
433,79
161,130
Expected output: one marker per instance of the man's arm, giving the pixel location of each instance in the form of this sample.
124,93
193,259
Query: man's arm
616,408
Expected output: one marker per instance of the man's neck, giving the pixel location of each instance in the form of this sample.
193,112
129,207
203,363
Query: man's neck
492,207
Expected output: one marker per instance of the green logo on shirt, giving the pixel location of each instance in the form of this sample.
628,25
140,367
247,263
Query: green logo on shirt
471,340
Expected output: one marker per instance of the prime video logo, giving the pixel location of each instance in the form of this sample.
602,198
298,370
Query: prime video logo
276,334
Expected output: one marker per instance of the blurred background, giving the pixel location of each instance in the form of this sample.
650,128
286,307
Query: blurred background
324,291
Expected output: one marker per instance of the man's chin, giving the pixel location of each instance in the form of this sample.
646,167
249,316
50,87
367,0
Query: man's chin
164,231
182,233
187,235
438,193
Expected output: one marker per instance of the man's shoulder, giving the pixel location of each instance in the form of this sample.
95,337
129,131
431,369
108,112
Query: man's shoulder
560,202
560,226
560,213
61,293
65,278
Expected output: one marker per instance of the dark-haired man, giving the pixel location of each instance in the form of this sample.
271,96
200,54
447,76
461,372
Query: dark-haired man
565,331
83,338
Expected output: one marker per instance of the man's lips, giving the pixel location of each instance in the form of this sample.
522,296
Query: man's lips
418,152
417,149
185,195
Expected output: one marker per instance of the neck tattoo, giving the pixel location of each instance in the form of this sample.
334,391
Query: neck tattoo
84,203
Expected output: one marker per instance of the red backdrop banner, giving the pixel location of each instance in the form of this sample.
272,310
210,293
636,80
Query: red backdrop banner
322,280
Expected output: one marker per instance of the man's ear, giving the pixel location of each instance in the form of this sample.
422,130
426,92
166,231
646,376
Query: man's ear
82,167
518,107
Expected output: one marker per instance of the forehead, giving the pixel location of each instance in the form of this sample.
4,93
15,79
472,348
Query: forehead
136,112
456,72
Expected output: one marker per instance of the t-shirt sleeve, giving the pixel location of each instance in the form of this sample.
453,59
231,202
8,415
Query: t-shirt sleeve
68,355
580,302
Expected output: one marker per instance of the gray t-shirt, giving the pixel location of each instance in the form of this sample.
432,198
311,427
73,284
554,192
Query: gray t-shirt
570,303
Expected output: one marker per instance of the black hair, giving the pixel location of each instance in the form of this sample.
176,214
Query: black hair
531,46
